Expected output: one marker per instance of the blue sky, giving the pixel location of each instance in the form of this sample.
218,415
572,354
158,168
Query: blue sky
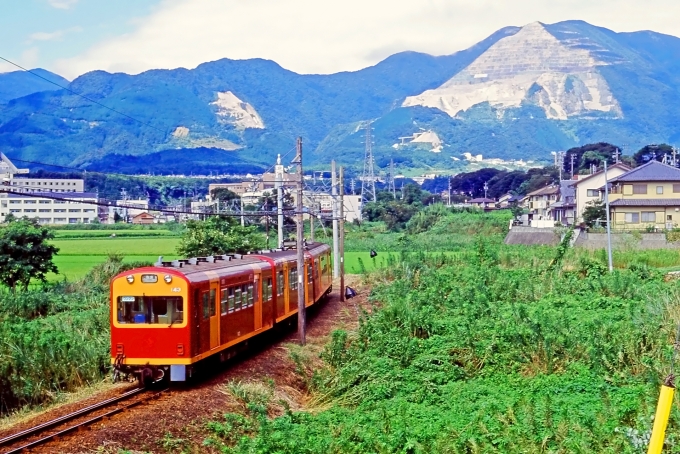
71,37
37,33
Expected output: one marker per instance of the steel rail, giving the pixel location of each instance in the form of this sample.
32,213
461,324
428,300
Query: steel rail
76,414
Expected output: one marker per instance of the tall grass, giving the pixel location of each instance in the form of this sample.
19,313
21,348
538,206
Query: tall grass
55,338
497,351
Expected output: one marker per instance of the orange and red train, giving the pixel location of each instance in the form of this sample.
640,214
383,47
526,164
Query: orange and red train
168,317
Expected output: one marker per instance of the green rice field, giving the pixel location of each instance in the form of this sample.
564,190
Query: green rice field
78,255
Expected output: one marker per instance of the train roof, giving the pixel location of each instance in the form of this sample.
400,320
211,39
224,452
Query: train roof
206,268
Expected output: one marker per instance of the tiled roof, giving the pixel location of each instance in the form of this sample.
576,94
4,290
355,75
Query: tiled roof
567,189
651,171
482,200
620,165
548,190
645,203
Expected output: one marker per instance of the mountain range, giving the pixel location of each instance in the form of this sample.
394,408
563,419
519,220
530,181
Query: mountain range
519,94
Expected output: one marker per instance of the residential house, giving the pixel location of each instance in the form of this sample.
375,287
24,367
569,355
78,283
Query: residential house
646,197
508,200
483,203
563,210
540,201
587,187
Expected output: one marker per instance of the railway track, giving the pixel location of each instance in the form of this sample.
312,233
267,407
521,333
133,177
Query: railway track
43,433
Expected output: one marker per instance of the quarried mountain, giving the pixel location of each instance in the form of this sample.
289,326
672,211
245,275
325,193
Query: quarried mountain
519,94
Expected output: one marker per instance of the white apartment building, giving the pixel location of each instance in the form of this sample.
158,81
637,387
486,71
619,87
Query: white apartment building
51,208
46,185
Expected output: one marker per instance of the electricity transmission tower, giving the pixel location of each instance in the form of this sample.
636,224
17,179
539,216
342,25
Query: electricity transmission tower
390,180
368,177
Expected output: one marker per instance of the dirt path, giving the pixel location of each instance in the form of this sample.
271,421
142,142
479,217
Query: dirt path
181,414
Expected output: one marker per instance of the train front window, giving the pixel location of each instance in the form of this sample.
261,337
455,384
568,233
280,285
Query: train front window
150,309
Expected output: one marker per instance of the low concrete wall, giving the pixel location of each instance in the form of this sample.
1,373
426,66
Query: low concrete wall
532,236
625,240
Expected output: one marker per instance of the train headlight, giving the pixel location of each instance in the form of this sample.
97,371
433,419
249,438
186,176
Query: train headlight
130,279
167,278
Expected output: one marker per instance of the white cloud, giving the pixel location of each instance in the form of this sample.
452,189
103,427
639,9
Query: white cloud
29,58
62,4
312,36
52,36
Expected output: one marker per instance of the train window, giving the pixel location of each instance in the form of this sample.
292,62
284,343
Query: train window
150,309
206,305
293,278
279,284
268,290
309,273
213,294
237,305
244,296
231,299
251,295
224,301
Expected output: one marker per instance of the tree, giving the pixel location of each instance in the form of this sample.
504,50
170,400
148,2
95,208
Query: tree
652,152
223,194
25,253
218,235
594,212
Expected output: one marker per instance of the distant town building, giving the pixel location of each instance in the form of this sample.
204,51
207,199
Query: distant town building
143,218
47,185
127,210
51,207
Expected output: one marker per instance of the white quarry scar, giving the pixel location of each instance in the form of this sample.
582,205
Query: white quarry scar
234,111
531,66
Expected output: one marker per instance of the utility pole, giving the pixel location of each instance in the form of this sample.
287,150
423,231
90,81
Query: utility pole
449,203
368,177
352,185
243,219
573,158
342,233
336,239
560,155
279,199
301,271
609,231
311,221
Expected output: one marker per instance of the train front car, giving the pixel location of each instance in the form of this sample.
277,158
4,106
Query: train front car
149,324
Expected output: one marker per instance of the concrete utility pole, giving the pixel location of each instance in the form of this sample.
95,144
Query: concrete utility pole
311,222
449,201
301,271
336,239
609,231
279,198
342,233
573,158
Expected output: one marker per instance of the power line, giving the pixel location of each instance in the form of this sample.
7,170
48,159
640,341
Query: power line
151,208
84,97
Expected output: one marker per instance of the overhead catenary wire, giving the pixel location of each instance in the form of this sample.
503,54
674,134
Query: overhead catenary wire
166,210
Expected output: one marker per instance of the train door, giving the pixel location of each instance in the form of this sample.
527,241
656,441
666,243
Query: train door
257,301
214,315
196,337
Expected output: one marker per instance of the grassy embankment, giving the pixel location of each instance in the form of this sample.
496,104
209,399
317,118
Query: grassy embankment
494,348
